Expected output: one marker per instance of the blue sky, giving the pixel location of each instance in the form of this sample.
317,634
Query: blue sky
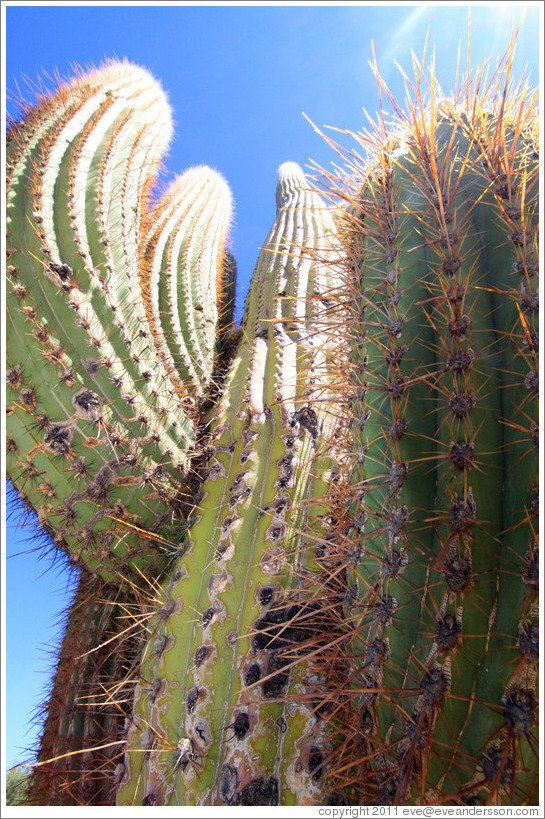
238,79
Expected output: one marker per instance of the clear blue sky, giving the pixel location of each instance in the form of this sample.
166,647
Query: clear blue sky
238,80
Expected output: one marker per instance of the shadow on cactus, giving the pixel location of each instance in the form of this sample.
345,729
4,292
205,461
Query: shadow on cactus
309,547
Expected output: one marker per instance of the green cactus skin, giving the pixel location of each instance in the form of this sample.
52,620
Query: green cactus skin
442,239
221,716
82,738
101,419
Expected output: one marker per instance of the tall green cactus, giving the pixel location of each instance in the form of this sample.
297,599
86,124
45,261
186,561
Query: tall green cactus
103,382
441,241
220,715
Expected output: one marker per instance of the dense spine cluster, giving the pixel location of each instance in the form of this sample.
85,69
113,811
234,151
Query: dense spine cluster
102,400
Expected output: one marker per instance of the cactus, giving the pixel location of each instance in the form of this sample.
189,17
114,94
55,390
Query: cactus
83,727
325,550
103,385
221,715
441,236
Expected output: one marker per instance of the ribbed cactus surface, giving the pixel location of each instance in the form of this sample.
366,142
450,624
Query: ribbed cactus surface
442,242
185,275
223,718
103,380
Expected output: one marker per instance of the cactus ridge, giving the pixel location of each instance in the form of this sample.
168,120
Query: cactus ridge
441,239
107,415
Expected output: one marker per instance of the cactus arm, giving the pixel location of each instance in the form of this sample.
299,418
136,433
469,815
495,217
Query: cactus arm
302,376
208,650
191,243
31,260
